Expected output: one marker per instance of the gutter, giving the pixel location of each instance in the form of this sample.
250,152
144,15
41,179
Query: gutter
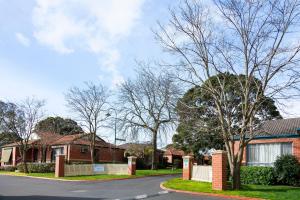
285,135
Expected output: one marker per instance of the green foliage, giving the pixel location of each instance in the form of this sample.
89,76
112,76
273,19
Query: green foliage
6,138
163,163
287,170
38,167
199,127
258,175
177,163
9,115
58,125
8,168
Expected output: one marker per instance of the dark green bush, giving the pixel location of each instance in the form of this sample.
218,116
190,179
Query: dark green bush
258,175
140,163
8,168
287,170
163,163
37,167
177,163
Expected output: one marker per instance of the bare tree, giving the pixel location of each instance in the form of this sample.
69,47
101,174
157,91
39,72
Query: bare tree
20,121
91,106
256,39
148,105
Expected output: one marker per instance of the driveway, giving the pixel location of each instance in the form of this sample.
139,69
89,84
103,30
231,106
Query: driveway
24,188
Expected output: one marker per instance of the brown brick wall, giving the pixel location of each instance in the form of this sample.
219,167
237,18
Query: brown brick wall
77,155
105,154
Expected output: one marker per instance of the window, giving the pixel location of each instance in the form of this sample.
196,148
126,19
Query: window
266,154
84,149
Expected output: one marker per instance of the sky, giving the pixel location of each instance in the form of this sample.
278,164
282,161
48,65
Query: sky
47,46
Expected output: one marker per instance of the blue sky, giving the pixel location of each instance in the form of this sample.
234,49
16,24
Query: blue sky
48,46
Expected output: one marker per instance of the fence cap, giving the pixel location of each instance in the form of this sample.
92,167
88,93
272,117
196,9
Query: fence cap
219,152
187,156
132,157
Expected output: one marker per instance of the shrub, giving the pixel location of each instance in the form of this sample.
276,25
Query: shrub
8,168
163,163
258,175
177,163
140,163
37,167
287,170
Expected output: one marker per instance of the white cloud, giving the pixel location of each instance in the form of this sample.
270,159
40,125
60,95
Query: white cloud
22,39
90,25
290,108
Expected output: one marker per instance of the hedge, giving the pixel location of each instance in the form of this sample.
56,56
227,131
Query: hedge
38,167
8,168
258,175
287,170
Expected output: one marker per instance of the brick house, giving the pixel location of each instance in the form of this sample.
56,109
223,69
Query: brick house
74,147
274,138
172,154
143,152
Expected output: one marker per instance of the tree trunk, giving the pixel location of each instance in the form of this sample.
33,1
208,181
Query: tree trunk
24,161
236,178
154,145
92,154
43,152
92,147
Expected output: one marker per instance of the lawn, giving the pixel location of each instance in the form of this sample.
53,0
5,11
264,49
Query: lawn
139,173
157,172
258,191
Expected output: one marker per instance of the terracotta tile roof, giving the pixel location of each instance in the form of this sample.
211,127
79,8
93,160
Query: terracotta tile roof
30,142
51,138
279,127
79,139
47,137
135,145
173,151
139,146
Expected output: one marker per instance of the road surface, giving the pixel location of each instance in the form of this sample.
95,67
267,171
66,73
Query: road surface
25,188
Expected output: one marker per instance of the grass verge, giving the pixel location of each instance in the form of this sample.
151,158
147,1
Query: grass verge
257,191
139,173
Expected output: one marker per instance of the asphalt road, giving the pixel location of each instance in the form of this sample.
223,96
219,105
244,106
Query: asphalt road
24,188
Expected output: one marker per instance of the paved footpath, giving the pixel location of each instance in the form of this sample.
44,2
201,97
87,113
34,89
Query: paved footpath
24,188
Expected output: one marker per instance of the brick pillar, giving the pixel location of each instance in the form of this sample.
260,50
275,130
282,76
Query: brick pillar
60,166
14,156
187,167
131,165
219,167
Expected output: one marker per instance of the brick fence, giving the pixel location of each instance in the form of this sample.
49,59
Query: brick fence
61,169
219,167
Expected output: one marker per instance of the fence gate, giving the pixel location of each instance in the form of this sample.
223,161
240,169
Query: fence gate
202,173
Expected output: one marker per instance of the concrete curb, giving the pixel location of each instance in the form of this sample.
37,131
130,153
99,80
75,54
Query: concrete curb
99,180
207,194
